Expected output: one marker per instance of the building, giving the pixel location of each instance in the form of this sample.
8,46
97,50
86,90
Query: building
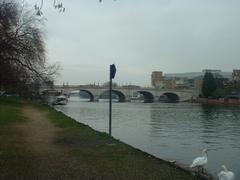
236,79
211,71
198,81
236,75
156,78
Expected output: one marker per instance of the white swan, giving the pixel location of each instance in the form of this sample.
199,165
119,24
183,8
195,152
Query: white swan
225,174
199,162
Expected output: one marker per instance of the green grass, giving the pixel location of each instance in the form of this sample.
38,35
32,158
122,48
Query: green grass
16,162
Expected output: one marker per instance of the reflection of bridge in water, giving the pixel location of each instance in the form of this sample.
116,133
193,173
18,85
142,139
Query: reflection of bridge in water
126,94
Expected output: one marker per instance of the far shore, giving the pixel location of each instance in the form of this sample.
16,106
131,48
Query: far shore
220,101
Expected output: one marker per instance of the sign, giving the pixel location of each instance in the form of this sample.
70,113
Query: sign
113,71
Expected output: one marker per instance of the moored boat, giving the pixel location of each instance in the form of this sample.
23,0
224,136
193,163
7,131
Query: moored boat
61,100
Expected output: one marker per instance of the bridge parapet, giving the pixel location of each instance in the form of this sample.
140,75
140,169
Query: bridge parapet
127,93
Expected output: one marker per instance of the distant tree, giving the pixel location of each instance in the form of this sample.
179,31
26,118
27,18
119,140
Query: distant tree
209,85
219,92
23,63
224,88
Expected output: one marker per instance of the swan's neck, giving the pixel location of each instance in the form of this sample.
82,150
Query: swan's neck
204,154
224,169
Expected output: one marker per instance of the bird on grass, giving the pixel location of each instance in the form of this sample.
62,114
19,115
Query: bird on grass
225,174
199,162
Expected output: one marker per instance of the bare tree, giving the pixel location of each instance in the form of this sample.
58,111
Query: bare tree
57,4
22,48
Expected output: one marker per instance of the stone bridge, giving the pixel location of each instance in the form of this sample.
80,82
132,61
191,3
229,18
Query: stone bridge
126,94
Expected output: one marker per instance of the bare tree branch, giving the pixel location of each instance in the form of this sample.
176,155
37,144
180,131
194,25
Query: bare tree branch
22,49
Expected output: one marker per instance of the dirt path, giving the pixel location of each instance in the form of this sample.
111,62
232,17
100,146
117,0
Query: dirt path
52,161
40,132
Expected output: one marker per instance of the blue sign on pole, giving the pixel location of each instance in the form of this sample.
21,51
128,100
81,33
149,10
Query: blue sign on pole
113,71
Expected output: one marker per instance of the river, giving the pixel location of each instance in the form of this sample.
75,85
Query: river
176,131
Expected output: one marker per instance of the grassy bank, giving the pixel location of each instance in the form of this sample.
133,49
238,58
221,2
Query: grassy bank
16,162
90,154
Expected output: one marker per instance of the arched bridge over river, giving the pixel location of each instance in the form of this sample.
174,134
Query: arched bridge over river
126,94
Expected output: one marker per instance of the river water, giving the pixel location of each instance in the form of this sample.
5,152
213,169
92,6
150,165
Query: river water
176,131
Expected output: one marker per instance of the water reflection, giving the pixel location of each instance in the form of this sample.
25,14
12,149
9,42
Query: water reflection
208,112
155,121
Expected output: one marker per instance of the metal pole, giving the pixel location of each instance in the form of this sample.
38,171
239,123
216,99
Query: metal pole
110,104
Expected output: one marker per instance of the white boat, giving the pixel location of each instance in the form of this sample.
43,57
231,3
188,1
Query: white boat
61,100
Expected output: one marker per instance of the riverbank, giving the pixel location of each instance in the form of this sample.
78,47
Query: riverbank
222,101
37,142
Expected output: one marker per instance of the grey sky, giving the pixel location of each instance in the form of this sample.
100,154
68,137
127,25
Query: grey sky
140,36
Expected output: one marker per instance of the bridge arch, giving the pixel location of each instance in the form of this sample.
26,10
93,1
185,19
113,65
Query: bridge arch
91,96
169,97
148,96
121,95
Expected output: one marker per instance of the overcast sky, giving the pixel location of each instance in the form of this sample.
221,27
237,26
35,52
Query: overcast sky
141,36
